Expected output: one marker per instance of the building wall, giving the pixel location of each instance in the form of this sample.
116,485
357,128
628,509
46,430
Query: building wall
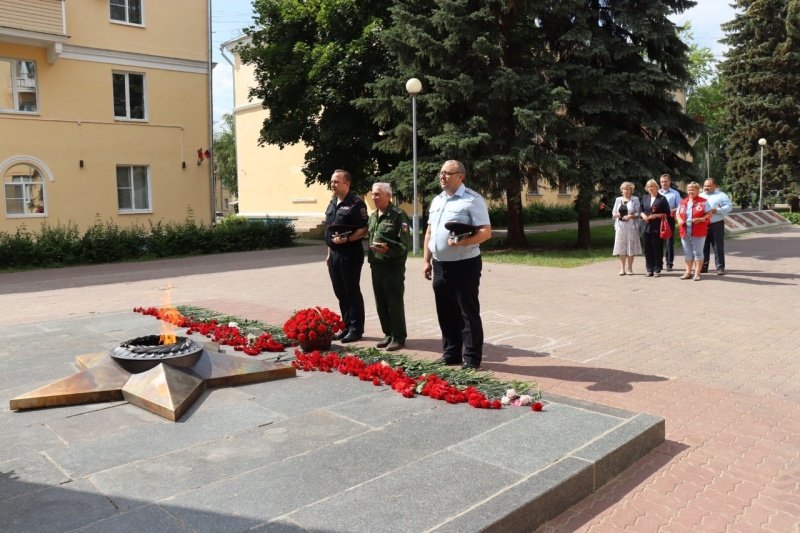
271,181
34,15
74,135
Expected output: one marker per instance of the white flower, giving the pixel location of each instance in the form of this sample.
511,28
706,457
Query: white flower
505,400
384,363
525,399
233,325
511,393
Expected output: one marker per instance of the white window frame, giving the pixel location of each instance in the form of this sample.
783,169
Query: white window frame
131,185
22,182
16,80
126,4
127,115
533,188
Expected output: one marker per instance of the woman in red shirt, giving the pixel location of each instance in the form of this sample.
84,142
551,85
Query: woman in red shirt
692,218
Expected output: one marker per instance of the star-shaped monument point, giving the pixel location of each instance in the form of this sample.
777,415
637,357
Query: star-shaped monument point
167,389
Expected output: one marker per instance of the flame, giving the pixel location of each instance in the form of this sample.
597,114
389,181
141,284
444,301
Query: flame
169,317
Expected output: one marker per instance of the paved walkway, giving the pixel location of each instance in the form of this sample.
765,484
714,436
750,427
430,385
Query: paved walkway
719,359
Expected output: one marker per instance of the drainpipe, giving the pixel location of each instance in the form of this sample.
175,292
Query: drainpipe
233,112
211,121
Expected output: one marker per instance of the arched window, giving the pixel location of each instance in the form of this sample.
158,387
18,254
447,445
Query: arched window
24,190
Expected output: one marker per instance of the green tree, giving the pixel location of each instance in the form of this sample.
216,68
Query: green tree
484,100
224,150
312,59
761,82
619,64
706,104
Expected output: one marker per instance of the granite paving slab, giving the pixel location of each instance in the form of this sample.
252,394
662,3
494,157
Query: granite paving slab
318,452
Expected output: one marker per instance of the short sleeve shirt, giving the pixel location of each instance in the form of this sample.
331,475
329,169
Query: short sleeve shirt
465,206
352,211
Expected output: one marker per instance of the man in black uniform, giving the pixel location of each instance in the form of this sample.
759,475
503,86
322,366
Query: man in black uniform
389,239
345,256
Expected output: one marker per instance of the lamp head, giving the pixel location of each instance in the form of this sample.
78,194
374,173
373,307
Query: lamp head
413,86
762,141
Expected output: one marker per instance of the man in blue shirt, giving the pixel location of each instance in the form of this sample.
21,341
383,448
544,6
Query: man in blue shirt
454,264
673,198
720,206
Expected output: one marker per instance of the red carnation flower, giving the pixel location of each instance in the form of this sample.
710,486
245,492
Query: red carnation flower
536,406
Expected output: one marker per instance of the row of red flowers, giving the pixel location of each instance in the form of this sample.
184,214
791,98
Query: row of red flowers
382,373
226,334
307,324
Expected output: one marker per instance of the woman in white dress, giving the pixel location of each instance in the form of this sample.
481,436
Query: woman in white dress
626,212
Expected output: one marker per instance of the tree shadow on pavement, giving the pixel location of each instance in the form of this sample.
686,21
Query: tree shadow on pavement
501,359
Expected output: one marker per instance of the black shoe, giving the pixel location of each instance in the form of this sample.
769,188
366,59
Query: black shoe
704,270
384,343
340,335
350,337
444,360
471,364
720,272
649,274
395,345
669,268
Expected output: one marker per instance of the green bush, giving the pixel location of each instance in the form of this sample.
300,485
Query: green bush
794,218
538,213
106,242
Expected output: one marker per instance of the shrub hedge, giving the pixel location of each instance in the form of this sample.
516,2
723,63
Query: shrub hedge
106,242
538,213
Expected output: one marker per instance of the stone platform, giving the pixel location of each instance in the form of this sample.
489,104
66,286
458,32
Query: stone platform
319,452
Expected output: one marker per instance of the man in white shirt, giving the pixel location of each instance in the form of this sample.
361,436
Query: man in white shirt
720,206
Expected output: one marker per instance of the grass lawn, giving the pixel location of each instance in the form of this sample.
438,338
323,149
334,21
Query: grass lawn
556,249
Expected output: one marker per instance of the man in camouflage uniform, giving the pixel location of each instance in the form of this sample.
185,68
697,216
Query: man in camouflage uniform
389,240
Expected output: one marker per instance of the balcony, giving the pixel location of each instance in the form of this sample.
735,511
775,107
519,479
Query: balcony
39,23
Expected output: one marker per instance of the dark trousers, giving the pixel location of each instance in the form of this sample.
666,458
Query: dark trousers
455,288
669,244
345,272
653,250
716,240
388,284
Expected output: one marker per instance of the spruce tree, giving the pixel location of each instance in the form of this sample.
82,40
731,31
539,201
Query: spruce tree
485,96
620,64
761,74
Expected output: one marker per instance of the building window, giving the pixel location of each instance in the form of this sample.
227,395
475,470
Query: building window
533,187
129,102
18,87
133,188
24,191
562,187
129,11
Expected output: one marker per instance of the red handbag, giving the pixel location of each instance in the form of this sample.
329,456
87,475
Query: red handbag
665,232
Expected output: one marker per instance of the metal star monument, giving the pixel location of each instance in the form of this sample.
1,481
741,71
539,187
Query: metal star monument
165,380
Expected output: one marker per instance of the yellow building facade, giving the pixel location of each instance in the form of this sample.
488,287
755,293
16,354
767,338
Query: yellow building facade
104,112
271,181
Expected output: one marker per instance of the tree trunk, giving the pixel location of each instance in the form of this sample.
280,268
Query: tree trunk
516,231
584,202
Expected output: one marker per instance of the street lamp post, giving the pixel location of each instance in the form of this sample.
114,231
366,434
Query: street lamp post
762,142
414,86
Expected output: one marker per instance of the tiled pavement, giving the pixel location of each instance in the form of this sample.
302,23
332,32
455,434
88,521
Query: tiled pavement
718,359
